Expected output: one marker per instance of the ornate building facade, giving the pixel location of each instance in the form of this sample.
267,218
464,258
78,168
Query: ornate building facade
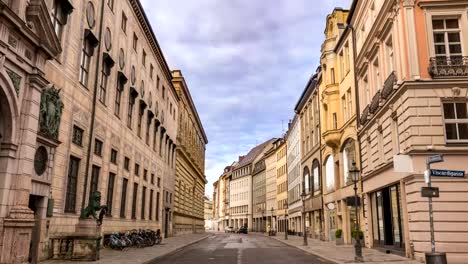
190,163
98,113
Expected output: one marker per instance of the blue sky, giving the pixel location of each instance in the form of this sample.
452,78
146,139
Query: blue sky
246,63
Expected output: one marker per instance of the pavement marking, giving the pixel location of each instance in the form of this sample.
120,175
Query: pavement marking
239,256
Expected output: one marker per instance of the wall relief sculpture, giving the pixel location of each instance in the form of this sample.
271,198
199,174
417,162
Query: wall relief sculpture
50,112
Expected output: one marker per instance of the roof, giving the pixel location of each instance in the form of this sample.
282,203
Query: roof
253,153
311,84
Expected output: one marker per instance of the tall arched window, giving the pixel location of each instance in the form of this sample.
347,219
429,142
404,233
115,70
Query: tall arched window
330,174
348,158
317,181
306,180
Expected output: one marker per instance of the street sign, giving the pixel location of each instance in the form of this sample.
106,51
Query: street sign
448,173
430,192
351,202
435,159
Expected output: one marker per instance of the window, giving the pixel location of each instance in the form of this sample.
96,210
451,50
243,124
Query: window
131,104
110,3
342,65
70,196
118,97
344,107
124,23
376,75
140,119
348,159
350,103
110,193
157,82
456,121
59,15
163,92
134,200
316,178
157,205
330,174
77,137
104,78
98,147
159,182
86,54
145,174
395,136
332,76
137,169
390,57
127,164
170,198
335,121
113,157
346,58
151,70
143,58
152,178
94,180
135,41
447,39
151,205
123,199
148,128
143,203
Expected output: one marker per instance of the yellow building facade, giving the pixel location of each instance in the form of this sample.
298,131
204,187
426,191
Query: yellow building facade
339,147
281,186
190,163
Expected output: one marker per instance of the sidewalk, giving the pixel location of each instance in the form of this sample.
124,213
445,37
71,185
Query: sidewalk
142,255
342,254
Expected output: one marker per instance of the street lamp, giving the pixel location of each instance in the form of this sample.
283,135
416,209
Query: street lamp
354,171
285,220
271,221
303,197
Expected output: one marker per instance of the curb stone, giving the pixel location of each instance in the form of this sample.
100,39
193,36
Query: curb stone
310,252
176,249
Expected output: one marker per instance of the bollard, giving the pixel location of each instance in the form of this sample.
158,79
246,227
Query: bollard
436,258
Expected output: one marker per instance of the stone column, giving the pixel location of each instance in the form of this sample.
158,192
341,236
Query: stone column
20,220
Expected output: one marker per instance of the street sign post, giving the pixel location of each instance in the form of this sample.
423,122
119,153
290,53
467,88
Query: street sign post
430,192
435,159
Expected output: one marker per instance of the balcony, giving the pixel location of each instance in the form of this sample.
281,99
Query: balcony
332,138
448,67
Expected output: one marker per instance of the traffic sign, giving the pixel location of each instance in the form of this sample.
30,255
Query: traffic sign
435,159
430,192
448,173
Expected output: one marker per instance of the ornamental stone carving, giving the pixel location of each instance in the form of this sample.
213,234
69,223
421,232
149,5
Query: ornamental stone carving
50,112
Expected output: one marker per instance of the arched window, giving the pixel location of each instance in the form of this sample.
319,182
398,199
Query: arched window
348,158
330,174
317,181
306,180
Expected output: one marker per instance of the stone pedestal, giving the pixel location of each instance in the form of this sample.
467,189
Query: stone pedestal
87,240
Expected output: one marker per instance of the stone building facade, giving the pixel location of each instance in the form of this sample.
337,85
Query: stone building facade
294,181
270,185
308,109
339,125
412,76
190,163
97,114
259,195
281,185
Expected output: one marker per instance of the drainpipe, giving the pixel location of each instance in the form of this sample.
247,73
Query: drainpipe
93,110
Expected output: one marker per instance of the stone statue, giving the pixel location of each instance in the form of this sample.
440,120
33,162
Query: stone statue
50,112
94,206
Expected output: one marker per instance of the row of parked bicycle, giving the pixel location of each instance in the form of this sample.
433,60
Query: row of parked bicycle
134,238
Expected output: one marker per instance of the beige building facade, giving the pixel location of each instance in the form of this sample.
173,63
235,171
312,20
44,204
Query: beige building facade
294,179
281,186
308,109
259,195
190,178
412,76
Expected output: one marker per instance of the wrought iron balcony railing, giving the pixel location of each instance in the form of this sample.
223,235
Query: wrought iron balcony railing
444,67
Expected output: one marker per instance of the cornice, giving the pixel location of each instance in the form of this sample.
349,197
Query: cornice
149,33
446,3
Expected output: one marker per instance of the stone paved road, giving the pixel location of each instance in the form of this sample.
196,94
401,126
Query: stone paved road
240,249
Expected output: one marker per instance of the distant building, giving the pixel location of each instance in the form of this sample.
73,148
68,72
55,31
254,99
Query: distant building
210,224
293,142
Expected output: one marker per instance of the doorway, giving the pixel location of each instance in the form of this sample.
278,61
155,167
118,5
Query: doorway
386,217
36,205
166,223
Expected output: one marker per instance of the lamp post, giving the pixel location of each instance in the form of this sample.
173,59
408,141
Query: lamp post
354,171
271,221
303,197
262,222
285,220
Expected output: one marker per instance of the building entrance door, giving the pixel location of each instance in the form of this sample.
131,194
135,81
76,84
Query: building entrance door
386,217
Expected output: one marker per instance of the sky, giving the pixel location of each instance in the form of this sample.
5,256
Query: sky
246,63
